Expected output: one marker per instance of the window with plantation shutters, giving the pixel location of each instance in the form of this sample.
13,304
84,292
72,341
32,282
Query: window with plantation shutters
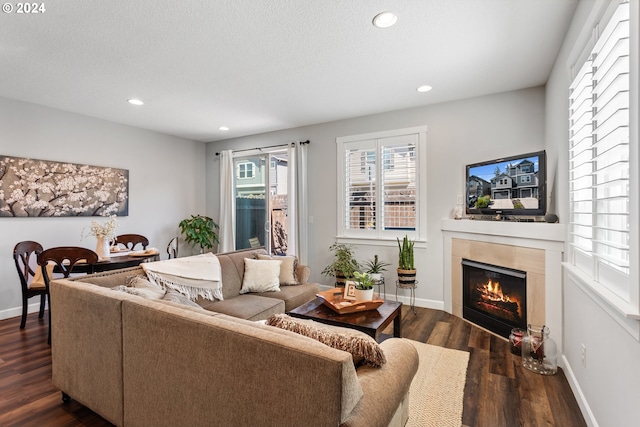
379,186
599,157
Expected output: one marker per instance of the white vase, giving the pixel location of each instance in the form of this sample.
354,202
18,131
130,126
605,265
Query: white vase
364,295
375,276
102,248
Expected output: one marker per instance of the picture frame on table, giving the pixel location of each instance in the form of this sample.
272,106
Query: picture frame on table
349,290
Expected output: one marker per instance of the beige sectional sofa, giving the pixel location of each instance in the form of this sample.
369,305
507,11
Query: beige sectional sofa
141,362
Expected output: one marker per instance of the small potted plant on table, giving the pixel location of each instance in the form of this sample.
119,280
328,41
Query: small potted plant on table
364,286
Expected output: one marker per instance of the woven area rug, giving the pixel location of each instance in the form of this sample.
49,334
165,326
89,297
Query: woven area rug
437,391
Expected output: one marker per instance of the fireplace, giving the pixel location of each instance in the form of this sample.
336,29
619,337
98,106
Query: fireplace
494,297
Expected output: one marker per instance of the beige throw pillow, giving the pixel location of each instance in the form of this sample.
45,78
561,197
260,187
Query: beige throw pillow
361,346
261,276
287,269
141,286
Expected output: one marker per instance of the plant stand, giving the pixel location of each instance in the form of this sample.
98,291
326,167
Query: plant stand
381,286
412,297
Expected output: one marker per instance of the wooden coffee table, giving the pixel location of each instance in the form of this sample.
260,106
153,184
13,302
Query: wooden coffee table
371,322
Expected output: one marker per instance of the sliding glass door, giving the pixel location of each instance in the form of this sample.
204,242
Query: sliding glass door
260,188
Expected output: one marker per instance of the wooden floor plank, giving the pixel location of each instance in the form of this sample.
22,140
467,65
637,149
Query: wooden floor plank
498,391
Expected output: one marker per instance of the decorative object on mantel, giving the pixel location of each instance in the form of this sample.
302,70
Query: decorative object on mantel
539,352
43,188
104,233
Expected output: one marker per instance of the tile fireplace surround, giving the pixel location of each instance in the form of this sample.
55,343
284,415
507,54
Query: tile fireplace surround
536,248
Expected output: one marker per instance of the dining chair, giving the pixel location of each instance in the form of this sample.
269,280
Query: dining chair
25,257
64,258
172,248
130,241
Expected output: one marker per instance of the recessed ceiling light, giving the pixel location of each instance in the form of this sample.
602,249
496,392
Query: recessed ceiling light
424,88
134,101
384,19
223,128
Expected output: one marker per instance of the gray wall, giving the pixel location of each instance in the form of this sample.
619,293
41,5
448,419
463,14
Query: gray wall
458,133
166,181
608,387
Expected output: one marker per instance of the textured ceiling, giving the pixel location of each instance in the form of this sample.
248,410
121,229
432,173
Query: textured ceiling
264,65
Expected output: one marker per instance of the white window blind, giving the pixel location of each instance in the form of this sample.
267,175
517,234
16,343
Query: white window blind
379,186
599,157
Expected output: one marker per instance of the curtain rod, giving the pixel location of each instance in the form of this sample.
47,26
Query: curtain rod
269,146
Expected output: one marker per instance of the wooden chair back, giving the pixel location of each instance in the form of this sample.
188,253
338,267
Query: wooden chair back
25,256
64,258
130,241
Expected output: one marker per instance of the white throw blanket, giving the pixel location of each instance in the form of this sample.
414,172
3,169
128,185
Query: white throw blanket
193,276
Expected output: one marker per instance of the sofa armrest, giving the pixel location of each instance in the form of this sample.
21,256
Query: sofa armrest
303,272
384,388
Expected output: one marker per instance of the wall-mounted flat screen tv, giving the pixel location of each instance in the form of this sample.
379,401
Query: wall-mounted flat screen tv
515,185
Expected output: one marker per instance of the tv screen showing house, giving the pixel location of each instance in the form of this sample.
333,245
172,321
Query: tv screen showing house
514,185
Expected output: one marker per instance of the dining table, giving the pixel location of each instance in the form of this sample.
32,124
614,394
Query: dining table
125,259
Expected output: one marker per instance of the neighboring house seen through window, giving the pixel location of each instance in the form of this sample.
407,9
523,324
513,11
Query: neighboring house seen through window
380,185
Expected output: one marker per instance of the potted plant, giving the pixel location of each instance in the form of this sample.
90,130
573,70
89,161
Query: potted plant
364,286
343,265
406,268
199,230
375,267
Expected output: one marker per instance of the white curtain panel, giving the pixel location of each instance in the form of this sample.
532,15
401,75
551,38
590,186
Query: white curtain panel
297,189
227,203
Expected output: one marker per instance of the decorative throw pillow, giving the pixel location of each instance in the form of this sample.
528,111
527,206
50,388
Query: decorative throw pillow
261,276
362,347
287,269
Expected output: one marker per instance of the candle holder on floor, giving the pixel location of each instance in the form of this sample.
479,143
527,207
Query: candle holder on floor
539,352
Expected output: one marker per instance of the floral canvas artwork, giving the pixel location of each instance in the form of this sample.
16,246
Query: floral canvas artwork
42,188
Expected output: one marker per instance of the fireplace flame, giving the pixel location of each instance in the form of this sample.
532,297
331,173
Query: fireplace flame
491,292
494,292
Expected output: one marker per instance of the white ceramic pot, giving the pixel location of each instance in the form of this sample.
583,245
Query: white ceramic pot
366,295
375,276
102,248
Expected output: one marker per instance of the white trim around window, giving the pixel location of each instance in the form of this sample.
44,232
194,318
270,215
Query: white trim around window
377,166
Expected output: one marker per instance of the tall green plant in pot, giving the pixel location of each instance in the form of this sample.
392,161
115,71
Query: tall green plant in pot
199,231
406,268
344,264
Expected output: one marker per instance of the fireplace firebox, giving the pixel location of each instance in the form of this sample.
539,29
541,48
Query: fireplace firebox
494,297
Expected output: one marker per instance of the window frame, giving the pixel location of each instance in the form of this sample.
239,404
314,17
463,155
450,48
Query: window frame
580,267
364,141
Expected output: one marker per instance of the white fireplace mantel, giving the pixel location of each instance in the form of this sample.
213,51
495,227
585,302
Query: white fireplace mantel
536,235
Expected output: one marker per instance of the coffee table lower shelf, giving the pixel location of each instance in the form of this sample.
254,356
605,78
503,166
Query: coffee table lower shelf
371,322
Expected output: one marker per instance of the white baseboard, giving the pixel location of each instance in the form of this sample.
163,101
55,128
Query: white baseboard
589,418
17,311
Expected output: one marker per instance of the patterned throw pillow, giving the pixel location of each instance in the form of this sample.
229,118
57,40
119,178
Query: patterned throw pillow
288,268
362,347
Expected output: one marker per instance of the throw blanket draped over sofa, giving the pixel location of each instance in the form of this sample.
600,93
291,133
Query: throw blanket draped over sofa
146,362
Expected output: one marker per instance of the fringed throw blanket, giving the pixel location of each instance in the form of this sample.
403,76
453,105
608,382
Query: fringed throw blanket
194,276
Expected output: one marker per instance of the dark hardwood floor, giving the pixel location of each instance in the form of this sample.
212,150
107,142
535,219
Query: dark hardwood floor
498,392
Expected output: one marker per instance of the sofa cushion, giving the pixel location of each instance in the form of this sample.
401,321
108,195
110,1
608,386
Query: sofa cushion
178,298
288,268
361,346
247,306
260,276
293,296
